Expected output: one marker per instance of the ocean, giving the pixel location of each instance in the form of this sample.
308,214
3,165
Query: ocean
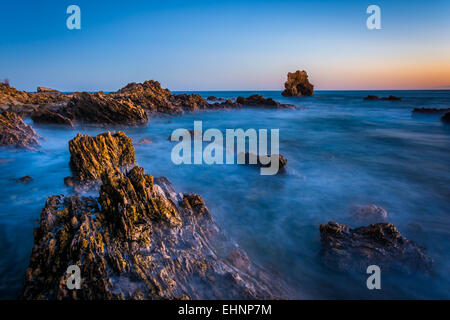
342,152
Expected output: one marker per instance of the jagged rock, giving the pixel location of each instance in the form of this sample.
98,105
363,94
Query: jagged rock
90,157
381,244
103,109
431,110
189,102
46,90
25,180
260,101
214,98
139,244
14,132
371,97
446,118
297,84
68,181
10,96
369,214
45,115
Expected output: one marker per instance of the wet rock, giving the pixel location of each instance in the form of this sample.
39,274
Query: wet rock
189,102
282,161
138,244
144,141
102,109
90,157
47,116
446,118
369,214
25,180
381,244
389,98
371,97
297,85
431,110
260,101
68,181
14,132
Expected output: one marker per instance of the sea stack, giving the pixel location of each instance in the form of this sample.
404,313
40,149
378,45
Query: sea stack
298,85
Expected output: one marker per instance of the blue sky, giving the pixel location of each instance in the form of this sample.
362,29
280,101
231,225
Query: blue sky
225,45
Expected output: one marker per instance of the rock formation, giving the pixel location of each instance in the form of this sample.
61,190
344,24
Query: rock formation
90,157
389,98
282,161
14,132
446,118
381,244
47,90
103,109
138,240
46,115
431,110
259,101
297,85
369,214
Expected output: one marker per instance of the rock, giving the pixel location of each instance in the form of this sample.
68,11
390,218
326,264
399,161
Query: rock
212,98
260,101
90,157
282,160
370,213
14,132
68,181
392,98
138,244
189,102
103,109
45,115
144,141
297,85
446,118
431,110
25,180
46,90
381,244
371,97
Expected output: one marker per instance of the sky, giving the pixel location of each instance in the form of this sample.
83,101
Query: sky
225,45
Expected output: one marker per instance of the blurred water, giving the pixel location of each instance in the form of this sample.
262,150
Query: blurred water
341,150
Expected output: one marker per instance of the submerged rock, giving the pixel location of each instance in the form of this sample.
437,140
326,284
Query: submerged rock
25,180
144,141
371,97
297,85
431,110
14,132
68,181
369,214
381,244
282,161
103,109
138,244
446,118
90,157
389,98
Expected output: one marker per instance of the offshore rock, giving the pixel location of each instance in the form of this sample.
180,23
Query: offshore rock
369,213
446,118
47,116
389,98
90,157
260,101
189,102
103,109
143,241
14,132
297,85
431,110
381,244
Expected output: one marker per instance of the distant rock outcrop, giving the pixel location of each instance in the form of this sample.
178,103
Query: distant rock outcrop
446,118
431,110
380,244
90,157
138,240
389,98
297,85
258,100
14,132
47,90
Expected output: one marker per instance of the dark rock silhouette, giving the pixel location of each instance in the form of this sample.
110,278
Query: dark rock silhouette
431,110
446,118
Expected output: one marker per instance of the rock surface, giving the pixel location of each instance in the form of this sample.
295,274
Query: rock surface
282,161
446,118
259,101
90,156
381,244
46,90
45,115
14,132
297,85
100,108
389,98
25,180
138,240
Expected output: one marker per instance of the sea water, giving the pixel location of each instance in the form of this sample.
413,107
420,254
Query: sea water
341,151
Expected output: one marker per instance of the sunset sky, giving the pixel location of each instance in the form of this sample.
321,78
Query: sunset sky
225,45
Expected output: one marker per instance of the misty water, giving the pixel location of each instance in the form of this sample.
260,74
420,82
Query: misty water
342,151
